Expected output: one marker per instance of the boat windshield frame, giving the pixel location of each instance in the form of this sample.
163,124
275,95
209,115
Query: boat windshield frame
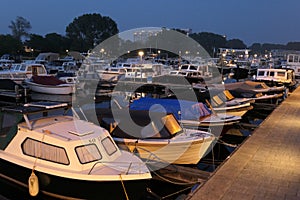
36,107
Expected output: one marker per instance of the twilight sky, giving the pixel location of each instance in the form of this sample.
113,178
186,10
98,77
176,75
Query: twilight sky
263,21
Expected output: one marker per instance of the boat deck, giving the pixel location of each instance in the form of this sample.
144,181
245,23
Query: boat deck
266,165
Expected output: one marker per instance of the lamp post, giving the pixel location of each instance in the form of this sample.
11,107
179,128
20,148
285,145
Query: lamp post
31,50
222,66
141,54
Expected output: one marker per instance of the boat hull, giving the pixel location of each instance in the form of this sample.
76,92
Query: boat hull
50,89
55,187
176,152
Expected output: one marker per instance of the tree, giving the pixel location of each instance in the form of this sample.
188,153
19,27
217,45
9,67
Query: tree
293,46
88,30
256,48
236,44
57,43
20,28
10,45
209,41
37,42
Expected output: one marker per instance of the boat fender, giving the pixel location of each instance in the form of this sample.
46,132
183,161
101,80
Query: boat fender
33,184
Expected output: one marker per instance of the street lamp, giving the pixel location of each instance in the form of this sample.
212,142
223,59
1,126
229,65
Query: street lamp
102,51
141,54
31,52
222,66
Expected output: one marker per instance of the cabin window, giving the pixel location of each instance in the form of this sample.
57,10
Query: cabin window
45,151
23,67
109,146
41,70
184,67
29,69
88,153
282,74
34,71
272,73
295,59
193,67
291,58
261,73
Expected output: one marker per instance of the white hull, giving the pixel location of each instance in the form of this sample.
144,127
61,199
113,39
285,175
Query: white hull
182,149
221,119
63,150
51,89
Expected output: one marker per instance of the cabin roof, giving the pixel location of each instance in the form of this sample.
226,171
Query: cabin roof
64,127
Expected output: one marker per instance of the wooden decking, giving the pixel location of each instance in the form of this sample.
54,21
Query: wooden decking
266,165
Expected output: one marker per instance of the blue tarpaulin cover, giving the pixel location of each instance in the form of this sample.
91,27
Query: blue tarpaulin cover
182,109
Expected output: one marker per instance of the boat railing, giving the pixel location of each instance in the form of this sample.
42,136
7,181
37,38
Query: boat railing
123,167
152,157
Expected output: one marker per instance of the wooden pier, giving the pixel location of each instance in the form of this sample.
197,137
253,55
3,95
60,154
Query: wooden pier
266,165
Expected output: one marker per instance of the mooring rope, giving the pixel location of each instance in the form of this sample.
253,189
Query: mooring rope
124,187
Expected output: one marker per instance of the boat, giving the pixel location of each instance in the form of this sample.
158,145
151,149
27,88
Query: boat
146,72
114,73
277,77
161,138
293,62
224,102
49,85
189,113
175,77
23,71
191,72
259,91
54,155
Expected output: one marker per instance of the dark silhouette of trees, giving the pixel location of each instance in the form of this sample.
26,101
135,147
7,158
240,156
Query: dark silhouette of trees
10,45
209,41
20,28
235,44
293,46
37,43
57,43
88,30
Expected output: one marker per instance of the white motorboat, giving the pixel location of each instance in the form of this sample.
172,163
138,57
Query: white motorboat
20,72
60,156
161,138
277,77
49,85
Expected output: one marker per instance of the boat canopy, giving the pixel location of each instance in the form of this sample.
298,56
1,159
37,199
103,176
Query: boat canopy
159,125
182,109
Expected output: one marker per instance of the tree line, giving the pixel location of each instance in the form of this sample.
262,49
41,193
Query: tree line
88,30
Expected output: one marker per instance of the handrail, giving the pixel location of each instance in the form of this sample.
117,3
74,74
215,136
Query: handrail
119,165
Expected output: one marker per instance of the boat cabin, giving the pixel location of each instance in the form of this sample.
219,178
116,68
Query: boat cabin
293,62
26,130
23,71
64,150
272,76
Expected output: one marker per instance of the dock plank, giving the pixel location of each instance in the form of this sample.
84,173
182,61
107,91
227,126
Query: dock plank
266,165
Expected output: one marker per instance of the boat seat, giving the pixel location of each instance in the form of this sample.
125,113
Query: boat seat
218,100
228,95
